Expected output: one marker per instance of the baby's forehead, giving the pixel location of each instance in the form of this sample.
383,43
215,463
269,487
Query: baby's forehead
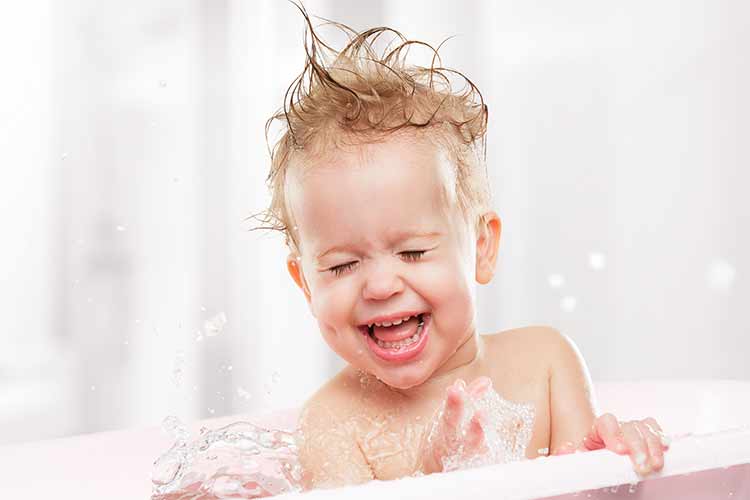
380,185
415,156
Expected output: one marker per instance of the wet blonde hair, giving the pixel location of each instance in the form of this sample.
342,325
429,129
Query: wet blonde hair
357,95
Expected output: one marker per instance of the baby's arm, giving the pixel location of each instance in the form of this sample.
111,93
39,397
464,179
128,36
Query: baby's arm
573,423
572,407
328,449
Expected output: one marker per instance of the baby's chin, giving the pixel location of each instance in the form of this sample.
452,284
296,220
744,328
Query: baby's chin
397,379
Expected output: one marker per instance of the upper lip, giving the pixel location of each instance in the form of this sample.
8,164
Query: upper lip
390,318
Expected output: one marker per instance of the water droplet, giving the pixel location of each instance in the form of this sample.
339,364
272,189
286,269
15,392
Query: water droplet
214,326
632,487
178,367
162,83
241,392
64,156
211,411
93,387
120,228
138,322
597,261
568,303
229,368
203,309
720,275
555,280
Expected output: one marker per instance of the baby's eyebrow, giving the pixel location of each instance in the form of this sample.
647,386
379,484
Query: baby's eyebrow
397,238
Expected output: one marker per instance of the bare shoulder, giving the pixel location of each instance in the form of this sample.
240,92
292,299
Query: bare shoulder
328,449
534,347
335,396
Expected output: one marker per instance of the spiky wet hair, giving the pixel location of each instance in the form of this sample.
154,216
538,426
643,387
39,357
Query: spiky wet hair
360,95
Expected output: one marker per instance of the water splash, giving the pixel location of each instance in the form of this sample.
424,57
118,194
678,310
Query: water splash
240,460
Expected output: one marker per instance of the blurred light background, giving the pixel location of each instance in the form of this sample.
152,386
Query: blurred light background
132,148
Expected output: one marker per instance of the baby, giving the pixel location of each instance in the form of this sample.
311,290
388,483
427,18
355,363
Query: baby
378,183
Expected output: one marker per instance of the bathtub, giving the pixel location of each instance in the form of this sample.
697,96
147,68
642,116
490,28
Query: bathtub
709,457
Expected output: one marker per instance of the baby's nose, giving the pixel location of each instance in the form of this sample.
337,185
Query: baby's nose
382,284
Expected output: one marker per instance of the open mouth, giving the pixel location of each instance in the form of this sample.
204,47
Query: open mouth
400,340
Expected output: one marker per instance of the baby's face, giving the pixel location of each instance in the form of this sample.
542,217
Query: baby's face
381,238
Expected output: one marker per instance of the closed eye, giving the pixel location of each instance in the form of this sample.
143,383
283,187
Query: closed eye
414,254
339,270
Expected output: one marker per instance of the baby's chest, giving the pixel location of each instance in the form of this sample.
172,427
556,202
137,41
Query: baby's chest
391,442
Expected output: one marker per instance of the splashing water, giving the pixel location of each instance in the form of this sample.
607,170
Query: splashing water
507,431
240,460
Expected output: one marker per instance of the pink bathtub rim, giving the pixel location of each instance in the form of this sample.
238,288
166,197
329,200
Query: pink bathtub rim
117,464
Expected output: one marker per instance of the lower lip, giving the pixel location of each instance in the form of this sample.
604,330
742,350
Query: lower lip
406,353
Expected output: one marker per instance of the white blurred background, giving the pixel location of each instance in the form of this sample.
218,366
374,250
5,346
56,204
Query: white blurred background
132,149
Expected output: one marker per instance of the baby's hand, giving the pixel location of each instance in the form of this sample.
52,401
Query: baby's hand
446,437
643,440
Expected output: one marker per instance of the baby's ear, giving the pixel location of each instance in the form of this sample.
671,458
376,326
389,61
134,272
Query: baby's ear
488,240
295,270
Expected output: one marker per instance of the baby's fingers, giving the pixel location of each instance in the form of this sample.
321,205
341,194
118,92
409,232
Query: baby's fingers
479,386
607,430
453,411
475,434
656,429
638,447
